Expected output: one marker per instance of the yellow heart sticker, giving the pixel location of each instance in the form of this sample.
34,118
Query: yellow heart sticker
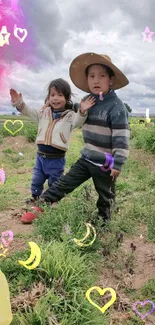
102,292
13,122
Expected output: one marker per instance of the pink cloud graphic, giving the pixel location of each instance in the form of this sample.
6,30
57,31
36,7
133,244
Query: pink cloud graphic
17,50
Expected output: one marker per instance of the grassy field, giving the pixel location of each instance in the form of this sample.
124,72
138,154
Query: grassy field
54,293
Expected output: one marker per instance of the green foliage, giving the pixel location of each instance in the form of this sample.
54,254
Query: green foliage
150,140
137,129
60,262
148,290
66,274
143,137
151,228
29,129
31,132
73,212
129,109
1,138
67,270
135,320
17,275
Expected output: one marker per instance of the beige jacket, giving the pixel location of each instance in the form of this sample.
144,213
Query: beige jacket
51,132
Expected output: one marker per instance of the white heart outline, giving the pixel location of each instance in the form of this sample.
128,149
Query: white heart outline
21,30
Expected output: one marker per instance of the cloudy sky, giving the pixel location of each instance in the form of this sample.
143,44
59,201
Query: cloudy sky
59,30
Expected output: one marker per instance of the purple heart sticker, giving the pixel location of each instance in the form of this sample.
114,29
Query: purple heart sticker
109,163
134,307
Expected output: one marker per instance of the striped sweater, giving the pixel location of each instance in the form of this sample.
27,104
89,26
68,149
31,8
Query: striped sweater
106,130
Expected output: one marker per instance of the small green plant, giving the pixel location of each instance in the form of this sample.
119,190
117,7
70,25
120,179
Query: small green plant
31,131
8,151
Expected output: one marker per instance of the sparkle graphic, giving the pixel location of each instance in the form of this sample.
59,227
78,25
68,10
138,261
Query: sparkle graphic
97,41
97,37
149,37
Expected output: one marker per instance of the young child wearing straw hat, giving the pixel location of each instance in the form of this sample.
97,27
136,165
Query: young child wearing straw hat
105,132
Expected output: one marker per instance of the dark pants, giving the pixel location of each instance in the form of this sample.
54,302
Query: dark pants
46,168
81,171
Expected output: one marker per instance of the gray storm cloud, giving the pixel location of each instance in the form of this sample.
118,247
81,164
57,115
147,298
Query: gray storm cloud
46,24
64,29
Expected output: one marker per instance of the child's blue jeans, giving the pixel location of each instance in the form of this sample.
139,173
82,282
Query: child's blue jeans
46,168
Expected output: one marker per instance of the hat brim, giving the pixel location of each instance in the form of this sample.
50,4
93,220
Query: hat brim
81,62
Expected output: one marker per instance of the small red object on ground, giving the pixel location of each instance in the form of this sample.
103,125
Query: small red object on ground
37,209
28,217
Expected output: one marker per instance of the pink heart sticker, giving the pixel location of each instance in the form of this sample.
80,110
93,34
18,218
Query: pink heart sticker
134,307
7,233
2,176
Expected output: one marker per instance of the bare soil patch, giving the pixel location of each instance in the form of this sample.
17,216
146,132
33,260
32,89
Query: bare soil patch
143,271
10,220
146,158
16,143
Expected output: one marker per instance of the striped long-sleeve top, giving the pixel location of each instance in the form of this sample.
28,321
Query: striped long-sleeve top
106,130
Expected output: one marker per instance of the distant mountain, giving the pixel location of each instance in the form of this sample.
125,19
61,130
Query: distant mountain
140,114
8,113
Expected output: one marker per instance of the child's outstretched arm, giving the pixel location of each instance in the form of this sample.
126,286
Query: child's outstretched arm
82,113
17,101
120,137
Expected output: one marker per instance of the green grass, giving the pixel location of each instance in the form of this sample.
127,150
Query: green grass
29,127
14,117
66,270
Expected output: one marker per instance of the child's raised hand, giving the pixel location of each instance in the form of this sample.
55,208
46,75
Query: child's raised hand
14,95
86,104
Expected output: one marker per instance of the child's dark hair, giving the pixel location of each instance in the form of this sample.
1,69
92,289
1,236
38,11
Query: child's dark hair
108,70
62,87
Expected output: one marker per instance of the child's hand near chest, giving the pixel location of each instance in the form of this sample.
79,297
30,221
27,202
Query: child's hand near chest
86,104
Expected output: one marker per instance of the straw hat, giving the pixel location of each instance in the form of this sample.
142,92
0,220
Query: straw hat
81,62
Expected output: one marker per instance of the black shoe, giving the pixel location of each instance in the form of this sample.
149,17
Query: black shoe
33,199
106,226
104,223
42,201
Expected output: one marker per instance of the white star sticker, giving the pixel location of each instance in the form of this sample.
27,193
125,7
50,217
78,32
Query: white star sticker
149,37
4,36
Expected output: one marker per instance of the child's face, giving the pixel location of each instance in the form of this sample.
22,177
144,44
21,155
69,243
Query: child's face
98,79
56,99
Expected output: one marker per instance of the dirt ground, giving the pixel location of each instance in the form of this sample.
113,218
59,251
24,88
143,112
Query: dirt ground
143,271
10,219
